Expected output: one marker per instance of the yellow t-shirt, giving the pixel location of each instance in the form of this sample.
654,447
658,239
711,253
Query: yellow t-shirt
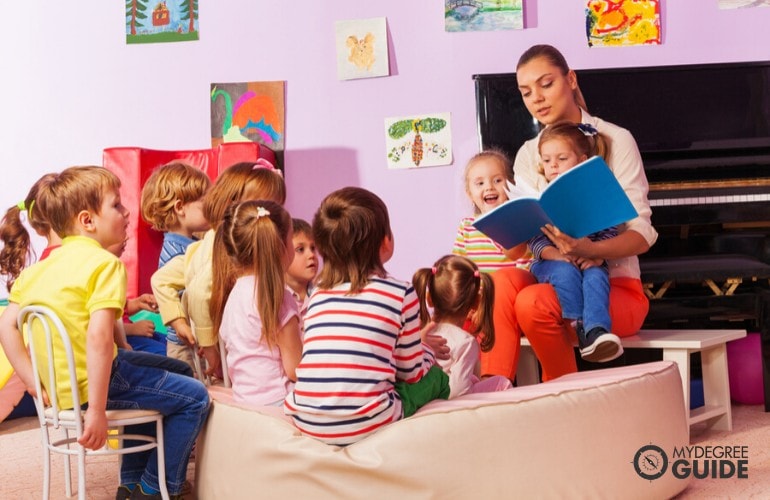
76,280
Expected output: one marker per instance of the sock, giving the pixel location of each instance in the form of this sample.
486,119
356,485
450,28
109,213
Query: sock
148,490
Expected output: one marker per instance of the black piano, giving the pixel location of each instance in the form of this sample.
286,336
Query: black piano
704,135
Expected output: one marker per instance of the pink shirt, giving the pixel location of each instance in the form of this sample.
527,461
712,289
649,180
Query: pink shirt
256,371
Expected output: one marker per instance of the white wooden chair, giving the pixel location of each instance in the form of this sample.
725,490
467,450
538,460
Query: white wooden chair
53,417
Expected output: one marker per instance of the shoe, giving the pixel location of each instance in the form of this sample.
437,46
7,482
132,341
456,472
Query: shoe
600,346
124,492
139,494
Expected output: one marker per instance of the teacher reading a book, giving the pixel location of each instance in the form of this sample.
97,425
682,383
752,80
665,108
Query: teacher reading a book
550,92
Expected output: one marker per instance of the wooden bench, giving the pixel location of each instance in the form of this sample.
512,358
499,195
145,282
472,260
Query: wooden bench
677,345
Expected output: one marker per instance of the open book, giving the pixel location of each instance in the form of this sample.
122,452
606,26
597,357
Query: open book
581,201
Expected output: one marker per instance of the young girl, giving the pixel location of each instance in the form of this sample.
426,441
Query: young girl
485,180
363,363
17,250
457,292
192,272
582,284
259,322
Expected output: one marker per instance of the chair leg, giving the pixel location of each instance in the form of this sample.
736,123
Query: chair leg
46,470
81,473
161,454
67,469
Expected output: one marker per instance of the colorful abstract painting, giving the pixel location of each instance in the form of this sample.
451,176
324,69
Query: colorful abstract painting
623,22
156,21
740,4
483,15
418,141
362,48
250,111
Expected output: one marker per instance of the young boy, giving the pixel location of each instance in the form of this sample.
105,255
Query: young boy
304,267
86,285
172,202
363,364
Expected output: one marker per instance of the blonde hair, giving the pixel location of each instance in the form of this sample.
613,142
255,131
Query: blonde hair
349,229
242,179
456,287
252,240
72,191
17,249
169,183
583,139
553,56
488,154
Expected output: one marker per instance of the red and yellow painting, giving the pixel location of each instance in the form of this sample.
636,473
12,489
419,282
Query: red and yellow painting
622,22
248,111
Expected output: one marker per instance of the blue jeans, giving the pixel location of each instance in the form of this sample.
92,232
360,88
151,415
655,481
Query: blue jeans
138,383
583,294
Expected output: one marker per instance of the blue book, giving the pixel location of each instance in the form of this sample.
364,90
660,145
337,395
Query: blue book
581,201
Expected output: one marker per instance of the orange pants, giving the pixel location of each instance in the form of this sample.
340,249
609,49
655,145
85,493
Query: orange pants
524,306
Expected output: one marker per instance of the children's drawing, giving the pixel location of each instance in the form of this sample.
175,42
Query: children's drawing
418,141
622,22
483,15
250,111
156,21
362,48
739,4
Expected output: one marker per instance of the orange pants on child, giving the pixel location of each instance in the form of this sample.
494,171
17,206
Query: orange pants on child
522,306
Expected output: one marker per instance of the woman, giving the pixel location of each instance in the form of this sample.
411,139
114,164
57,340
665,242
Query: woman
551,93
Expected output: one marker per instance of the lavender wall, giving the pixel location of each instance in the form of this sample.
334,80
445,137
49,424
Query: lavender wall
72,87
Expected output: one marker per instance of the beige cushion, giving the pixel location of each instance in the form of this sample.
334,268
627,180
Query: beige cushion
572,437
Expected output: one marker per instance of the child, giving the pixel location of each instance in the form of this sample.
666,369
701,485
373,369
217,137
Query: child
485,181
363,364
457,292
192,272
259,326
582,285
86,285
17,249
304,266
172,204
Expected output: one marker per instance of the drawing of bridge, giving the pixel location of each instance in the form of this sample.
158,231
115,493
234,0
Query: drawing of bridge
453,4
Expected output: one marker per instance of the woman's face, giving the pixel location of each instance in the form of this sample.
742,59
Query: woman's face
547,93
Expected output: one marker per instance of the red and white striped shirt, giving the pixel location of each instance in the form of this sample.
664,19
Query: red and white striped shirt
354,350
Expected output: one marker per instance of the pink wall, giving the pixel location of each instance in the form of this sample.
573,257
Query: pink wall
72,87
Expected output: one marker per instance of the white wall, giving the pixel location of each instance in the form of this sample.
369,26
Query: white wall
71,87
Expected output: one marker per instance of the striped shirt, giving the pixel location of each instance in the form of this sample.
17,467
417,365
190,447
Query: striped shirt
478,247
354,350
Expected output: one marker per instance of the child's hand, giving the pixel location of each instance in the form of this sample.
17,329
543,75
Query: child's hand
586,263
436,342
144,302
183,331
94,429
141,328
516,252
211,353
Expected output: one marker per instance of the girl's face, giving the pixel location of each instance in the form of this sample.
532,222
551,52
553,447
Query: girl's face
485,184
558,156
547,93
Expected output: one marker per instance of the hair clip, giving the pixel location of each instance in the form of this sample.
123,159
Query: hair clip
262,212
22,206
433,270
587,129
262,163
476,273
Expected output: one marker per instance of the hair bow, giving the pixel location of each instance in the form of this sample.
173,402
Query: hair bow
587,129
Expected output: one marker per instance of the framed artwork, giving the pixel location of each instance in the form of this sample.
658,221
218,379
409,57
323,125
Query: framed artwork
483,15
248,111
612,23
740,4
362,48
418,141
157,21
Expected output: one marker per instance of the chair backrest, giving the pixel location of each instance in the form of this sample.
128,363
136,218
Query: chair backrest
50,328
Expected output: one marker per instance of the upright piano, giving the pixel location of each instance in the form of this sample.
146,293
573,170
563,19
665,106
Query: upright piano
704,135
